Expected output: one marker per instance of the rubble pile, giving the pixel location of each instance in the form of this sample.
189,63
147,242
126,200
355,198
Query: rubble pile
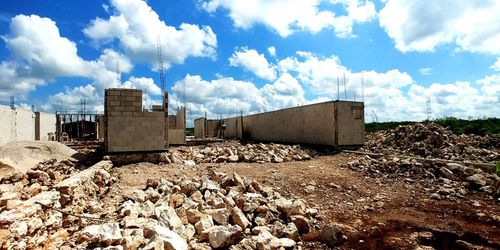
260,153
209,212
49,218
432,140
442,180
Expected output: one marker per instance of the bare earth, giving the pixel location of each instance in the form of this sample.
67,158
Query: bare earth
373,213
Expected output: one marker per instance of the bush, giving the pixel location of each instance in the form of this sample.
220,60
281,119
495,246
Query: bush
498,168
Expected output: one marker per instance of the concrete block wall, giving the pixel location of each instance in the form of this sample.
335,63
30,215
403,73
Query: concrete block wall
176,136
128,127
204,128
234,127
25,125
100,128
334,123
177,127
45,126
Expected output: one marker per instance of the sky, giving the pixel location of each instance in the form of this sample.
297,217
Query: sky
226,57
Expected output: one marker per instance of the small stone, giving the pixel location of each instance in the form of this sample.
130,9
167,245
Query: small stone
204,223
189,163
309,189
291,231
164,237
223,236
281,243
447,173
220,215
301,223
233,158
18,229
331,236
436,196
107,234
239,218
193,215
477,179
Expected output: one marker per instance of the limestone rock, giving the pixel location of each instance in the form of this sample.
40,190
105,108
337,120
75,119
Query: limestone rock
239,218
223,236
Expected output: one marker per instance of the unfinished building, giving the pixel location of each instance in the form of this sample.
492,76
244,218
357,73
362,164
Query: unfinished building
177,127
25,125
333,123
129,128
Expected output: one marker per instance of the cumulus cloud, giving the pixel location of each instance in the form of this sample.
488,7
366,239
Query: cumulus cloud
137,28
38,54
227,97
254,62
13,84
496,65
69,100
146,84
287,17
36,43
424,25
272,51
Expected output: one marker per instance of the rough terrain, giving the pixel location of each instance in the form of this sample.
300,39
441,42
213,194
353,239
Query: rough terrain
265,196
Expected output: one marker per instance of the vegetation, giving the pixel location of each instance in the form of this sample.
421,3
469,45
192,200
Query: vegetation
458,126
189,131
498,168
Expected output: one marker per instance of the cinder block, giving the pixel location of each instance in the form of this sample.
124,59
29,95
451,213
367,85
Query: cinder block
115,113
114,92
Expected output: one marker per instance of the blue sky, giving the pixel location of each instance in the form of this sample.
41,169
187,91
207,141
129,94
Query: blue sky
225,56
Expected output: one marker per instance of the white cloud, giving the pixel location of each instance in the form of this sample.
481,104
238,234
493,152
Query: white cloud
426,71
287,17
496,65
272,51
137,27
69,100
12,84
146,84
39,54
227,96
421,26
254,62
40,51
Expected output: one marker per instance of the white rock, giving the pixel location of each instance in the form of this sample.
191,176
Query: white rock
281,243
223,236
163,238
239,218
108,233
189,163
18,229
167,216
204,223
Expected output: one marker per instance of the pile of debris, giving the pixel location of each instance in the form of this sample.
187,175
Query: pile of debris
46,173
51,214
432,140
442,180
221,153
214,211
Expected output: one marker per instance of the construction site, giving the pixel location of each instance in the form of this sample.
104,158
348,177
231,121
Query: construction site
305,177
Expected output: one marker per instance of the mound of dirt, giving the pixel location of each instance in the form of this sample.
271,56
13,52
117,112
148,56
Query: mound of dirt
24,155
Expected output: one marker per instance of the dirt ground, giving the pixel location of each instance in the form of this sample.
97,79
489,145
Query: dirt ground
373,213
